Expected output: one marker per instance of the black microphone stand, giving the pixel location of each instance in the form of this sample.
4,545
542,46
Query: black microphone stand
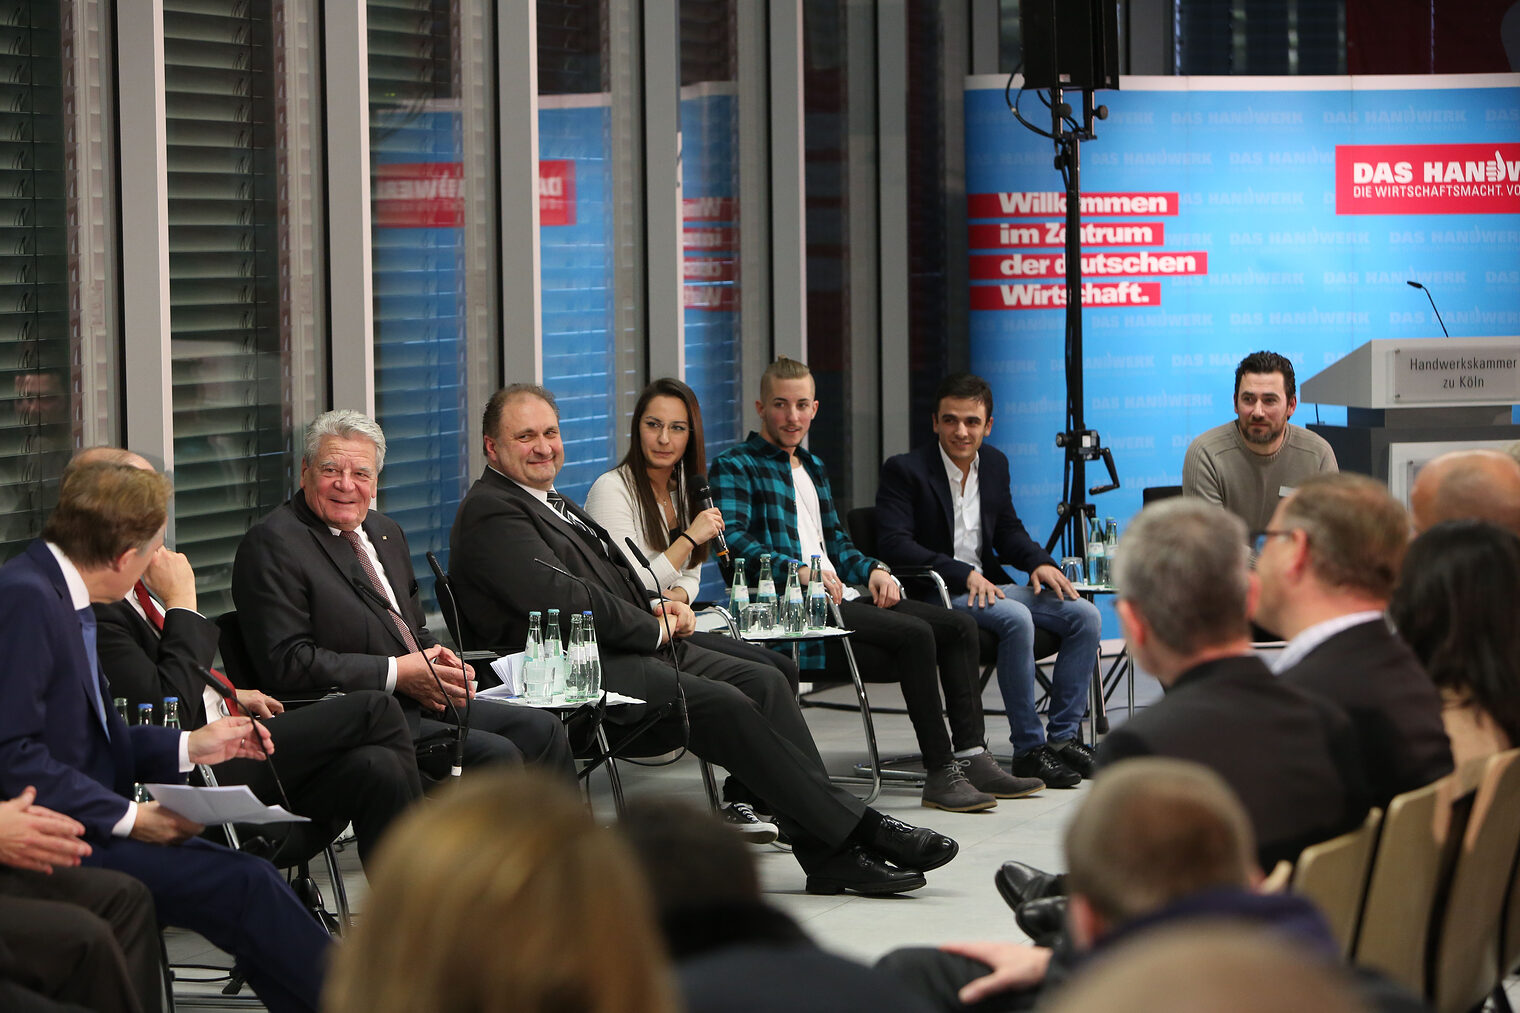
461,722
1422,288
230,697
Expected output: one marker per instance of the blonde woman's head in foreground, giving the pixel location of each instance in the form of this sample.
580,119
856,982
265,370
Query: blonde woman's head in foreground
503,894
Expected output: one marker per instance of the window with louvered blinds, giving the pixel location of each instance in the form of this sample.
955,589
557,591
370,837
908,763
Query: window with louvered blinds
232,426
418,182
35,402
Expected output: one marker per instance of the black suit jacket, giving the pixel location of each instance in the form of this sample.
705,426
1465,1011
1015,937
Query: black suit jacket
145,667
1394,708
499,530
1290,756
915,518
305,621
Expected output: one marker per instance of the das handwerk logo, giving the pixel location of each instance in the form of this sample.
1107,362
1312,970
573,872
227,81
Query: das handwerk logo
1424,179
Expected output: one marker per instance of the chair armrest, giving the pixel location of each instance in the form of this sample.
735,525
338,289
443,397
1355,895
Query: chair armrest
714,609
926,573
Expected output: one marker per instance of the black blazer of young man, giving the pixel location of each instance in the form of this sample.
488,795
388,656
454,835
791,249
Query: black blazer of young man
346,759
1394,708
1290,756
308,626
915,518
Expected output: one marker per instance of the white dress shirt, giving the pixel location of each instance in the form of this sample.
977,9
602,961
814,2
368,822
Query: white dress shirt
1307,640
967,503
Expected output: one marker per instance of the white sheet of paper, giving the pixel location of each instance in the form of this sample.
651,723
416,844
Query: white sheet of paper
498,694
509,669
231,804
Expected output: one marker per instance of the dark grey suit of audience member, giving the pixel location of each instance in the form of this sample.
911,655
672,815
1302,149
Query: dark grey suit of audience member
1394,708
742,715
308,627
1289,756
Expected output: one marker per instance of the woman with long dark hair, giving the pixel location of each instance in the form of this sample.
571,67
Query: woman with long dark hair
1455,607
651,498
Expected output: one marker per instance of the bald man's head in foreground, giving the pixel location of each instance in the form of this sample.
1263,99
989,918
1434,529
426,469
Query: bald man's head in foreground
1467,485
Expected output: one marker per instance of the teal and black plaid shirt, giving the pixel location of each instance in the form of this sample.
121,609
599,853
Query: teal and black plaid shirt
752,486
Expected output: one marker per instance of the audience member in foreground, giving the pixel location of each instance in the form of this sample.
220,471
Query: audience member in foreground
518,545
504,896
1157,843
775,496
1479,485
1455,607
1327,566
949,505
1184,591
1211,969
70,935
326,598
656,498
59,732
345,759
733,952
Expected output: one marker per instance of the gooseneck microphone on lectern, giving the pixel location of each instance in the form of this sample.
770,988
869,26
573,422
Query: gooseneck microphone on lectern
221,690
461,721
703,492
1422,288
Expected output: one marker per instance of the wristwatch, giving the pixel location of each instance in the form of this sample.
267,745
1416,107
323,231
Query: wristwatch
879,565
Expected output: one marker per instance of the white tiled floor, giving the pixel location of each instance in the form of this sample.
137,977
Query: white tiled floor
959,902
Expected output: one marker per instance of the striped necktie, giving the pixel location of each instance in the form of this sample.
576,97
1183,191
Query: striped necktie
368,566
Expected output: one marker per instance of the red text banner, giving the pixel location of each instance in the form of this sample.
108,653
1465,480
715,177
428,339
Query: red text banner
1039,297
419,195
556,192
1427,179
1052,235
1053,265
1052,204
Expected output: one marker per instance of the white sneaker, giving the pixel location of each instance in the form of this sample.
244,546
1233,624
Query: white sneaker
752,828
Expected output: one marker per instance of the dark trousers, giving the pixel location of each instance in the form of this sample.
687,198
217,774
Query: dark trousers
78,935
937,977
345,759
742,716
906,644
237,902
734,789
501,733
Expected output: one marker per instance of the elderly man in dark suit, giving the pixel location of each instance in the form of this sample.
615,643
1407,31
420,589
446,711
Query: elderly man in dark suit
326,598
730,711
1328,564
948,505
345,759
59,733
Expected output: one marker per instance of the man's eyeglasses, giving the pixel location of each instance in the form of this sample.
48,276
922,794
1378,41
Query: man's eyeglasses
1259,540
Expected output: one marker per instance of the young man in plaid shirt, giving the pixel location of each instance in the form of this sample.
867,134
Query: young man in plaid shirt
775,498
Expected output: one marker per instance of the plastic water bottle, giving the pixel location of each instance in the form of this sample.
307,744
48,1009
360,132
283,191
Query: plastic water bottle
576,679
171,712
1097,556
818,598
765,591
738,595
592,678
796,612
554,654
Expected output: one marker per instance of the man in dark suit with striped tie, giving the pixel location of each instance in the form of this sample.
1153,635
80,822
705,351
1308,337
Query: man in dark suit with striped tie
344,759
326,598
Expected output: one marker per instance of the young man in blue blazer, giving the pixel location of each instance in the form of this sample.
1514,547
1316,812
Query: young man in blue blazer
948,505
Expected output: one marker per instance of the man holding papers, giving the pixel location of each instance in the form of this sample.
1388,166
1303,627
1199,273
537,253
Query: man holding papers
59,732
345,759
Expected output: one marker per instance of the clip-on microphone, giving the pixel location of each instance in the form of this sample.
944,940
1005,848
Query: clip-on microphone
461,722
221,690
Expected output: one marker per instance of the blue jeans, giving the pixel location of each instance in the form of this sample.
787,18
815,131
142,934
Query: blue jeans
1013,620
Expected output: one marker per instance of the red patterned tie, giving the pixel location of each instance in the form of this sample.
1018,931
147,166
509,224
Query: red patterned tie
156,617
352,538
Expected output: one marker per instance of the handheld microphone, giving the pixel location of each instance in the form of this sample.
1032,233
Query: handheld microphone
1422,288
220,689
703,492
461,722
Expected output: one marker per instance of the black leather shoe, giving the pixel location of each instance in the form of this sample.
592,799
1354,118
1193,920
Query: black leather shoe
1044,764
1042,920
1018,883
1077,755
909,847
856,870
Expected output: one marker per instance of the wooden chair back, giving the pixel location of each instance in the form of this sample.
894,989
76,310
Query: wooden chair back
1333,874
